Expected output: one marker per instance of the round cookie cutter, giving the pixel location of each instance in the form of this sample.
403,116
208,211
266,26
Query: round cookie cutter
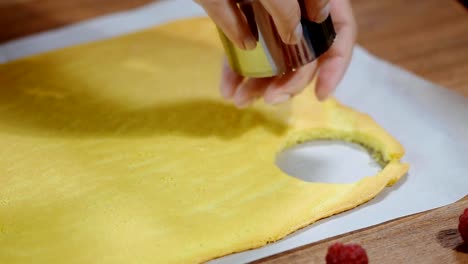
271,56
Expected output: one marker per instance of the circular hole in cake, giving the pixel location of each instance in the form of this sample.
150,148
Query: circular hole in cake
328,161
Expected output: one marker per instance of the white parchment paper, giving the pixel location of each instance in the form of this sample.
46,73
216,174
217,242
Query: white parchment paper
430,121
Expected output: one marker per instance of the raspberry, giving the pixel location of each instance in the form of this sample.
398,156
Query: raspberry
463,225
339,253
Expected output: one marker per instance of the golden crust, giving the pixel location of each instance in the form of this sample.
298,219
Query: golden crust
122,151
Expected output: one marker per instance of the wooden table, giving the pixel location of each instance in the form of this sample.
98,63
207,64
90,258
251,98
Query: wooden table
429,38
425,238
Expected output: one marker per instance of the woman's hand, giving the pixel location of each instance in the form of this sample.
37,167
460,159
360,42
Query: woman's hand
330,67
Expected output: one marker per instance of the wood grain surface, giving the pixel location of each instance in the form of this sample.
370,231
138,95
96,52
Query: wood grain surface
429,38
19,18
426,238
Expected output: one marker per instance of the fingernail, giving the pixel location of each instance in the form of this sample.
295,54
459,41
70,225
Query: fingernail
250,43
244,103
298,33
241,100
278,99
323,14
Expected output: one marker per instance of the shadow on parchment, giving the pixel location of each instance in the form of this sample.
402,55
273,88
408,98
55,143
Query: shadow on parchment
56,97
199,118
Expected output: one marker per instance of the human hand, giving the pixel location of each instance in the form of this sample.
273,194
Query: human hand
329,68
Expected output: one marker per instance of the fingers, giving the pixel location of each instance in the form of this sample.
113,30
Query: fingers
334,62
331,72
249,91
331,66
317,10
286,15
285,87
230,80
242,92
226,15
275,90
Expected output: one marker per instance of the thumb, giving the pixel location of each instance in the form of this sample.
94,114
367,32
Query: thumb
227,16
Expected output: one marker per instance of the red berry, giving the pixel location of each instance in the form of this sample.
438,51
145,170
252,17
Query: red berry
339,253
463,225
